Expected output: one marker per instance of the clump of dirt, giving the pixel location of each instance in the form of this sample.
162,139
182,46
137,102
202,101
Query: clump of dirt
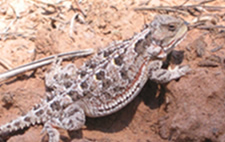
189,109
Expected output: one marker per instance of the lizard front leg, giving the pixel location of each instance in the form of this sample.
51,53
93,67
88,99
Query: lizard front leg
157,74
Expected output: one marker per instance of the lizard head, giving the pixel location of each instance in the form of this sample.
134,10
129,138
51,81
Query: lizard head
166,32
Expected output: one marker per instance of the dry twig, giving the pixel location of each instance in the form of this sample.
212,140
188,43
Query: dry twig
44,61
184,9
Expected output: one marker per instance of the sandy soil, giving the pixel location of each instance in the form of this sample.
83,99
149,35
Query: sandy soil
189,109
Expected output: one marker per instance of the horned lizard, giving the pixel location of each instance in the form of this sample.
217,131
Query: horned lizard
107,82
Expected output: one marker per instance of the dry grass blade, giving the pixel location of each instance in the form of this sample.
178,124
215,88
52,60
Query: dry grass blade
5,64
205,27
183,9
79,8
44,61
161,8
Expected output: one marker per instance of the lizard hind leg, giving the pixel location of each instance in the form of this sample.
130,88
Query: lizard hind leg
73,118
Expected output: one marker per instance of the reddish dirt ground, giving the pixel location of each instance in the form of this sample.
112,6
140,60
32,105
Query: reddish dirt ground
191,109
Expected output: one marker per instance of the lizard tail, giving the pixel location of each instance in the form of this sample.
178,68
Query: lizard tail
35,116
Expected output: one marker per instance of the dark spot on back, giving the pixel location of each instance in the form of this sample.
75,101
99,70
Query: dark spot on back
100,75
55,106
40,112
123,74
83,73
92,88
48,112
74,95
106,83
140,46
107,53
67,84
66,75
118,60
85,93
148,40
90,64
84,85
93,65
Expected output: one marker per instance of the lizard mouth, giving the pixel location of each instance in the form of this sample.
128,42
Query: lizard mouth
166,49
172,44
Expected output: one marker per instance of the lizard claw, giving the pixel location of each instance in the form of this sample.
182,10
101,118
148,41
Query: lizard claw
184,69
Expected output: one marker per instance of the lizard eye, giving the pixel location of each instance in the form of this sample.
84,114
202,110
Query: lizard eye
172,28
